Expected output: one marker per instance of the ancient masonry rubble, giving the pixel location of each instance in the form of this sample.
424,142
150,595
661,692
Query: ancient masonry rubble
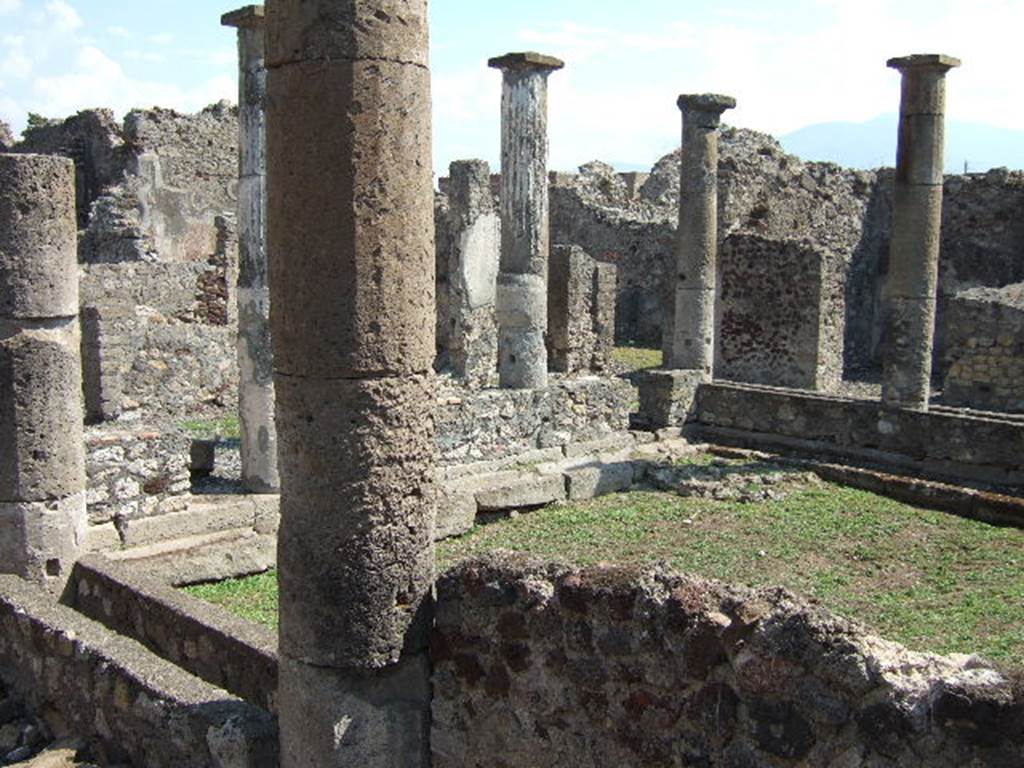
351,255
469,245
688,339
522,280
916,229
42,461
255,366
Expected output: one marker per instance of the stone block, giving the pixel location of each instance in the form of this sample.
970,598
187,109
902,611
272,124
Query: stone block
598,479
456,513
364,277
521,491
668,398
201,516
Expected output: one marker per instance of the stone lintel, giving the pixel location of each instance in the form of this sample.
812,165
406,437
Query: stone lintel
713,103
923,61
247,16
525,61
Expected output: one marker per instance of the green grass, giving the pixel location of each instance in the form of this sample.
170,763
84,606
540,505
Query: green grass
253,598
637,358
927,579
208,429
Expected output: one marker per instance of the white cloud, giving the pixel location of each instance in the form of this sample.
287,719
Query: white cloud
9,7
63,16
121,32
98,80
161,39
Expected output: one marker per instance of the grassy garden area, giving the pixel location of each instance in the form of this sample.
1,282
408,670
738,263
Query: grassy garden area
927,579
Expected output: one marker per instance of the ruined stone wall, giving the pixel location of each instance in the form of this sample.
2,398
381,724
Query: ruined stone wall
581,311
498,423
781,314
94,140
543,665
984,349
180,173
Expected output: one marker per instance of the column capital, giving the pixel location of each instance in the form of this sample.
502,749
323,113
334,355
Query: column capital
524,61
711,103
923,61
249,16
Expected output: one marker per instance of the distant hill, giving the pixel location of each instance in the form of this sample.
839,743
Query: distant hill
872,144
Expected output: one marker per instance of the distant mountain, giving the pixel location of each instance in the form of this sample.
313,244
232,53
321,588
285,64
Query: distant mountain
872,144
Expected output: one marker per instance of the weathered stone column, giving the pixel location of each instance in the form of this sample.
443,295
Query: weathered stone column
916,222
255,366
691,344
42,451
351,255
521,302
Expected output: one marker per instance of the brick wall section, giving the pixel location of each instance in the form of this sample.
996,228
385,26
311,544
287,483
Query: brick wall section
782,311
540,665
145,710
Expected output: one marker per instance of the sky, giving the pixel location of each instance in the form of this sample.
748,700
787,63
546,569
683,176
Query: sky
789,63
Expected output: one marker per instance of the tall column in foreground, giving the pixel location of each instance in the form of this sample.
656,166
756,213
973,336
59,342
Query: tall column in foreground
42,451
916,223
351,253
255,358
522,301
690,345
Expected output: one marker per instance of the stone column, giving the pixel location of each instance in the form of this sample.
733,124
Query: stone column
255,359
351,255
916,223
521,301
42,450
690,345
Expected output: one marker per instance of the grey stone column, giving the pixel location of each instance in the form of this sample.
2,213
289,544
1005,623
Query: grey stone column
351,255
42,450
916,223
690,345
521,302
255,359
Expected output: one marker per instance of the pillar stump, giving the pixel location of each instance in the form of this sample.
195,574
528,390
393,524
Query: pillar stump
521,301
42,450
255,358
351,257
916,223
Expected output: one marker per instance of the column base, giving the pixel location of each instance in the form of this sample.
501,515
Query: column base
330,717
522,359
40,540
669,398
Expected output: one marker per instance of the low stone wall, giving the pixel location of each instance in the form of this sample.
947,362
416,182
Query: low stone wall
946,444
146,711
496,423
205,640
539,665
